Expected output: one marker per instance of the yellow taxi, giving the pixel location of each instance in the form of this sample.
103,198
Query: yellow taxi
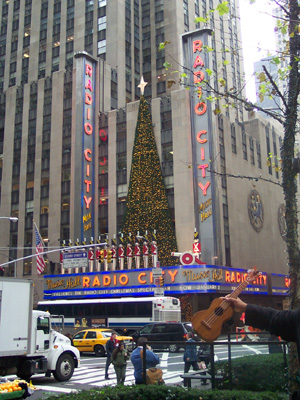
94,340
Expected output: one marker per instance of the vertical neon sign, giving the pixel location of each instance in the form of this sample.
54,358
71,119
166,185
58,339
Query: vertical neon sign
197,60
88,139
103,166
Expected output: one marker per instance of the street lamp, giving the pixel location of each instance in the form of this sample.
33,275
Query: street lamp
12,219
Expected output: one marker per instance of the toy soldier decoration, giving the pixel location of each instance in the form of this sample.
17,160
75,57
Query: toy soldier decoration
129,253
154,250
137,254
196,244
146,254
121,252
98,262
91,260
105,257
114,253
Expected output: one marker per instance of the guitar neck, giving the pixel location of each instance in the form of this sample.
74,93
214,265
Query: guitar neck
239,289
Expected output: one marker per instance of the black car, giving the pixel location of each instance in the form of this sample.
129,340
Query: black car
165,331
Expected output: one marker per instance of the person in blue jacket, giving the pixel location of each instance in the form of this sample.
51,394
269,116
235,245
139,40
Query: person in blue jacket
190,356
137,360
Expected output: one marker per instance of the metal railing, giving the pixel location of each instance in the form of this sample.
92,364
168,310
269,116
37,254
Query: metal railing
229,342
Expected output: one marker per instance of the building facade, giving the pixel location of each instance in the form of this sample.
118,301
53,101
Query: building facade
69,75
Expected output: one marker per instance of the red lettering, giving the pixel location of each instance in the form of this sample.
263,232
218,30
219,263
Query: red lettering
88,183
200,78
200,108
88,70
88,98
88,170
88,128
198,61
103,135
88,113
199,134
203,167
89,85
197,46
86,152
204,188
202,153
103,162
87,201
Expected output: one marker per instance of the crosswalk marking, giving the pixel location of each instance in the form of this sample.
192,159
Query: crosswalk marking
56,389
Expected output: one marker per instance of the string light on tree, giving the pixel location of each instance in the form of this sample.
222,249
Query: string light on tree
147,207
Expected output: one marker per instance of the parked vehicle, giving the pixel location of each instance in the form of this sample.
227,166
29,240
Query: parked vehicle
165,331
94,340
28,344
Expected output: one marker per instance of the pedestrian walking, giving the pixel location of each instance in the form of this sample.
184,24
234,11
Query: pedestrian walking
190,357
119,359
110,346
137,360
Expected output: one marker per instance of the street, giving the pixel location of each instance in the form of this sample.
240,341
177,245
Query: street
92,370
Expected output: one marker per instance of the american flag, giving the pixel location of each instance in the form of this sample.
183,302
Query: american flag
40,262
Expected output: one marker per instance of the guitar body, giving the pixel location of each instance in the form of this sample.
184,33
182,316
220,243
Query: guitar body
208,323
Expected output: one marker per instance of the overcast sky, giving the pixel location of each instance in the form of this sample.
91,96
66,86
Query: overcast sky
257,25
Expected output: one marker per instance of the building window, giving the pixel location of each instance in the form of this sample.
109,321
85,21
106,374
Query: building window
233,139
244,145
251,142
258,153
267,130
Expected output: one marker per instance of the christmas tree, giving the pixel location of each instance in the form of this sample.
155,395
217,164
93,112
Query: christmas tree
147,207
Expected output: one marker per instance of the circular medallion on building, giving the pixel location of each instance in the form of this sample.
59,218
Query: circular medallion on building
255,210
282,220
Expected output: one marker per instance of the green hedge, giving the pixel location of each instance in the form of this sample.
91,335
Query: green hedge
264,372
164,392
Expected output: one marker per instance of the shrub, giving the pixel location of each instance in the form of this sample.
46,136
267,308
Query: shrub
255,373
153,392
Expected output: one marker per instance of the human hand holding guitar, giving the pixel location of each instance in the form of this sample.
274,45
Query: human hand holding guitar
237,304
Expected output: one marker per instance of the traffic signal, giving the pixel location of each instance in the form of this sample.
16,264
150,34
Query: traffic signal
109,256
101,255
161,281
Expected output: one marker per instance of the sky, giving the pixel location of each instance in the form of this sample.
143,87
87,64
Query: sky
257,27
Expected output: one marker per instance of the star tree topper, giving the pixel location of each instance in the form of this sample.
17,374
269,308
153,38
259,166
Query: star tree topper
142,85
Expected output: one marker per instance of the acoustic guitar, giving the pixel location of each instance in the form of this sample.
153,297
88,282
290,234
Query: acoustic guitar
208,323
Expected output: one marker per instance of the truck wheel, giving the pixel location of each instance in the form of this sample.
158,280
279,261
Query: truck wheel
64,368
99,351
26,377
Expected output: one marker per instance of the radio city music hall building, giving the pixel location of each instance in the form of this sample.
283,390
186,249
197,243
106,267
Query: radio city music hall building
69,103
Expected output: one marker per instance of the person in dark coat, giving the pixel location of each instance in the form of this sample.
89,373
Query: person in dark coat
110,346
283,323
119,360
190,356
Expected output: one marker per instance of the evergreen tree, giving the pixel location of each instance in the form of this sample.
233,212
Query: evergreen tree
147,206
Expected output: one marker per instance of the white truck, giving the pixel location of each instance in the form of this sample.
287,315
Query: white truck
28,344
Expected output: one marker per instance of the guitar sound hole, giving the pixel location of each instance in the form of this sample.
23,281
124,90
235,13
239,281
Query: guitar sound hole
219,311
